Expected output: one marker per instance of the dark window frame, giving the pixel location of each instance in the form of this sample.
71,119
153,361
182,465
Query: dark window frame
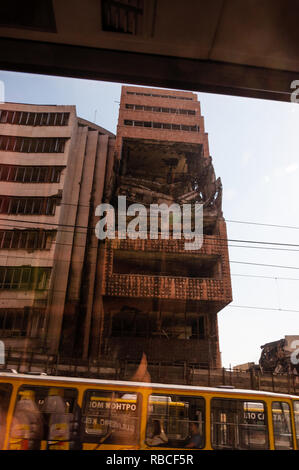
13,205
244,400
162,125
274,423
6,390
26,278
35,119
9,143
178,397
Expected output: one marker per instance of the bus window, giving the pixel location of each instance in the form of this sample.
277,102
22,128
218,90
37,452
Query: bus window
45,414
238,424
5,393
282,429
296,414
175,421
110,417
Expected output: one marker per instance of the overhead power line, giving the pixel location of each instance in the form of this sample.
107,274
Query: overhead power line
266,265
276,278
264,308
87,228
262,224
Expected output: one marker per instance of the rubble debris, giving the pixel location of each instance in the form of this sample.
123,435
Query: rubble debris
279,356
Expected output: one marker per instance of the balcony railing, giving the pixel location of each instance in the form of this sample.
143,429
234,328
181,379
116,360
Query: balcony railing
136,285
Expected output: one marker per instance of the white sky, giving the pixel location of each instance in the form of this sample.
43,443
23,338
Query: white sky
254,148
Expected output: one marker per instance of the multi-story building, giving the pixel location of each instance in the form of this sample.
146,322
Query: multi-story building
51,173
159,298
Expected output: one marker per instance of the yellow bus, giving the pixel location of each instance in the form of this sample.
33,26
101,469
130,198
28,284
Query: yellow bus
62,413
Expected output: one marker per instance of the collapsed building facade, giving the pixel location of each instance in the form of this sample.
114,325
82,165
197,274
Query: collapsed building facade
159,298
280,356
113,298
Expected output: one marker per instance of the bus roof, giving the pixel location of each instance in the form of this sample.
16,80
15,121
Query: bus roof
191,388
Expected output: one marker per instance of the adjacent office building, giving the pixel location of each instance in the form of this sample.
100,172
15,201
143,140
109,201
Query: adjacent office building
52,169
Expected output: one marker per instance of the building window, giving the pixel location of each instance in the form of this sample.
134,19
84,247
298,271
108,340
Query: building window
30,174
160,96
122,16
24,278
156,109
131,323
24,118
296,415
16,322
28,205
32,145
179,326
281,415
31,14
26,239
198,328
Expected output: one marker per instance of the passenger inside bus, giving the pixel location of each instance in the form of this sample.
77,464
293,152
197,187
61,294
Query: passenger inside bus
196,438
158,435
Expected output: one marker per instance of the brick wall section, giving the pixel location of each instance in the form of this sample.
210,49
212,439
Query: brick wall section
129,285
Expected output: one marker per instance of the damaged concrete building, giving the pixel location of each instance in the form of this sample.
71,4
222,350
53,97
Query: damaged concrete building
117,298
159,298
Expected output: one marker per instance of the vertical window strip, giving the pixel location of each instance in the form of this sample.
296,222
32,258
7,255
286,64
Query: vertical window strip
26,239
30,174
34,145
31,205
156,109
162,125
24,278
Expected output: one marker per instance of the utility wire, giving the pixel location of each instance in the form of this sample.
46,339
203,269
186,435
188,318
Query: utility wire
262,224
264,308
75,226
236,262
266,265
266,277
